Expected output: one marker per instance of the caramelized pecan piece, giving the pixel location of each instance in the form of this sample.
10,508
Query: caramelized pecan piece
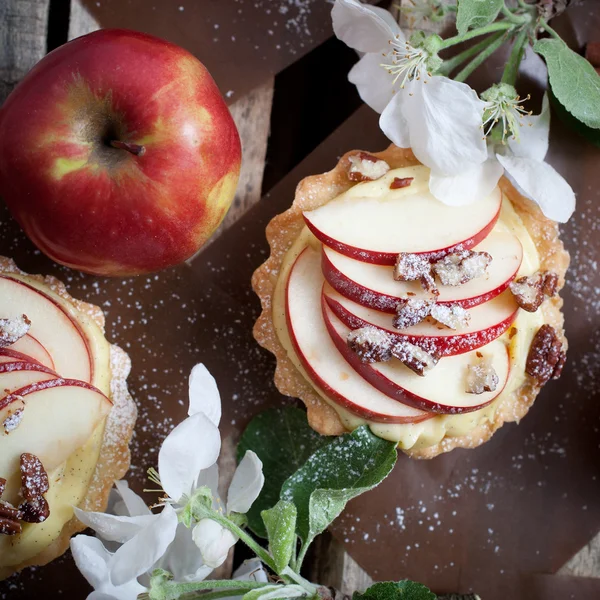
9,515
370,344
414,267
2,485
366,167
458,268
411,311
9,526
400,182
414,357
529,292
546,357
34,484
452,316
481,376
12,330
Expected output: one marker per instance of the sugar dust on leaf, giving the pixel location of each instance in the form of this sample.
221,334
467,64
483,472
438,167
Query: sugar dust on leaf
283,440
280,523
347,467
400,590
573,80
472,14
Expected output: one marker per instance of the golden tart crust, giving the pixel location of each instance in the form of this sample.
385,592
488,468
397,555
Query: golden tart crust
114,458
283,230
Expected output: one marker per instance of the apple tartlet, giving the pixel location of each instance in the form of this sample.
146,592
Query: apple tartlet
66,416
432,324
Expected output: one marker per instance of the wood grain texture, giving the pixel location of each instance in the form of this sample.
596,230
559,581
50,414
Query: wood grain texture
23,32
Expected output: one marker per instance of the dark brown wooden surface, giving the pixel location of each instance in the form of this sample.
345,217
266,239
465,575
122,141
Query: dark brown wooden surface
205,312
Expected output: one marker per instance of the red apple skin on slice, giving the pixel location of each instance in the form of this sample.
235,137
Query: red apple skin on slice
323,363
442,390
30,346
59,416
488,322
7,356
373,286
17,375
375,224
50,325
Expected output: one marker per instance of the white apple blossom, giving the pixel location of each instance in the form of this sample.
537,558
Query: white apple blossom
440,119
136,541
519,154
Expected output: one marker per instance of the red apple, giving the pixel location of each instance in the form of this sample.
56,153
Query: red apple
118,155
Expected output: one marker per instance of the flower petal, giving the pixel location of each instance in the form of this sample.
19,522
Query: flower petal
541,183
251,570
393,120
474,184
362,27
373,82
209,478
533,135
247,482
183,558
141,552
93,560
204,394
114,528
214,542
134,505
445,118
192,446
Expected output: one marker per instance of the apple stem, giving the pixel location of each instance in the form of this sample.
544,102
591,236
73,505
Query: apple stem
133,148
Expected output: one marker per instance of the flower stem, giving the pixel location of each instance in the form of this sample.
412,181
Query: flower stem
451,64
167,589
480,59
549,29
301,556
246,538
511,70
510,16
214,595
492,28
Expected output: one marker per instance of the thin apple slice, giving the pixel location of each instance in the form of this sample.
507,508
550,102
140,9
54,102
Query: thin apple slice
374,286
21,374
324,364
488,322
10,356
50,325
59,416
30,346
442,390
372,223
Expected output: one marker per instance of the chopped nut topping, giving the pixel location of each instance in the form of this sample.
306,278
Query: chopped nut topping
366,167
12,330
9,515
370,344
12,421
458,268
400,182
481,376
414,357
34,484
546,357
452,316
411,311
9,526
529,292
414,267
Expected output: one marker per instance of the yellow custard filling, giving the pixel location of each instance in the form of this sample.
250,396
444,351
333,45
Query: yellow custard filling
70,481
429,432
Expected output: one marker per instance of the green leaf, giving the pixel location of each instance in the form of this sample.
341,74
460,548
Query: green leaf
273,592
473,14
401,590
573,80
283,440
280,523
592,135
349,466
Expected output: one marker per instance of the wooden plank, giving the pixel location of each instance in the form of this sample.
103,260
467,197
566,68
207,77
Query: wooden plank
22,39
